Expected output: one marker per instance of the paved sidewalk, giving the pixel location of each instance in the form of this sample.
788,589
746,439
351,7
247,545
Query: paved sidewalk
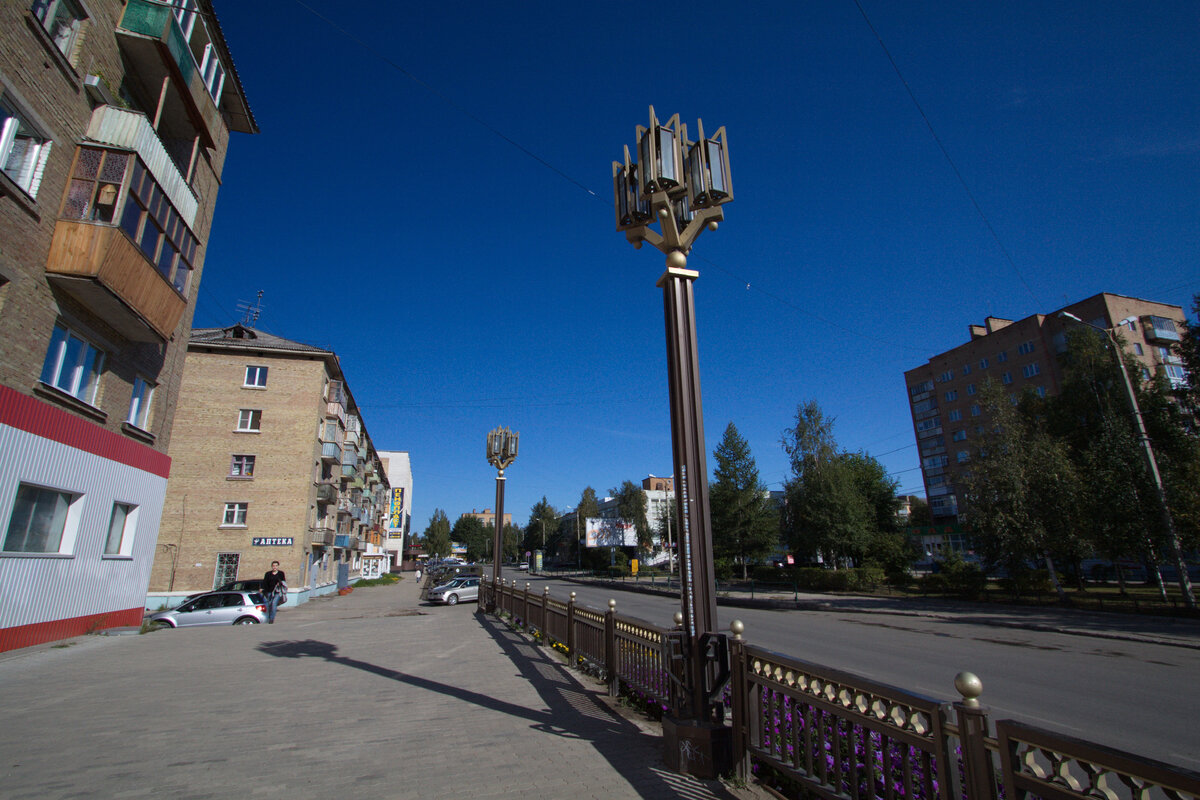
367,695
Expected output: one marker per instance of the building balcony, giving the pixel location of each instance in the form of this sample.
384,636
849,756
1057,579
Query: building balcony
322,536
331,451
98,265
1159,329
335,410
150,37
326,493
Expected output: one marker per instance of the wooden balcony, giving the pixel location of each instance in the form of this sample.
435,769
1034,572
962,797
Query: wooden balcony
101,268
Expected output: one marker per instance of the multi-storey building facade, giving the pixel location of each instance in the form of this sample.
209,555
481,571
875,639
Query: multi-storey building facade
398,468
487,517
115,117
1019,355
271,461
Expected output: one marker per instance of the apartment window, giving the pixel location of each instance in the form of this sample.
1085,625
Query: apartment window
966,370
23,147
959,436
963,456
947,376
73,365
1029,370
951,395
920,388
256,376
147,217
185,14
235,515
213,73
249,419
1137,348
970,388
61,19
139,403
1132,325
923,425
43,521
227,568
121,525
955,415
1025,348
983,363
976,411
1006,378
1041,391
1176,374
1002,356
241,466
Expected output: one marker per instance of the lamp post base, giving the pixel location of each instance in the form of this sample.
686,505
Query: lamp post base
697,748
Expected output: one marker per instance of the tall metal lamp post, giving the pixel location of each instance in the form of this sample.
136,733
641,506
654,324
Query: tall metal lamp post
501,452
679,186
1185,583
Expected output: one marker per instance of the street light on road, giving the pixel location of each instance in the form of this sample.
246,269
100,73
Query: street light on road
1185,583
501,452
679,186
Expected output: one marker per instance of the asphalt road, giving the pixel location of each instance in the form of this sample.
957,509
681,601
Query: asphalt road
1136,696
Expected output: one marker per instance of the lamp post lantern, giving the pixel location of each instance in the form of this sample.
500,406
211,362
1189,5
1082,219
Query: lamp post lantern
1164,510
679,186
501,452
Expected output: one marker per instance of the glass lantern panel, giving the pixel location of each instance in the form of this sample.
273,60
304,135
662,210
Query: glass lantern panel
667,157
716,169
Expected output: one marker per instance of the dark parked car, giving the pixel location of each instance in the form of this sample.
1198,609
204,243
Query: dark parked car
214,608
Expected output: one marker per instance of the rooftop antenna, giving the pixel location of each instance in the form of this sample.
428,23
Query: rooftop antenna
251,312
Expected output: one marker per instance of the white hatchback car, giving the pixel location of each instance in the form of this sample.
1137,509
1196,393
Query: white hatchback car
464,587
214,608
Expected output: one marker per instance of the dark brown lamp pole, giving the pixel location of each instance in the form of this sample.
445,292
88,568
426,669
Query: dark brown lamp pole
680,186
501,452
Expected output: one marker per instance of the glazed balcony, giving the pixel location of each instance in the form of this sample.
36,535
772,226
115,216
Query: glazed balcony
326,493
151,38
101,268
331,451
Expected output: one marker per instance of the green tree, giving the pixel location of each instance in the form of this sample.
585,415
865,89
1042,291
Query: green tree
1188,350
744,524
543,523
477,536
588,507
631,506
437,534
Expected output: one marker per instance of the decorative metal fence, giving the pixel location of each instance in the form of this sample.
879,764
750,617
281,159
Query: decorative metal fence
834,735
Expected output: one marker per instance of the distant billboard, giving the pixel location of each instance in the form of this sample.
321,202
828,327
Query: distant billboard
396,517
610,533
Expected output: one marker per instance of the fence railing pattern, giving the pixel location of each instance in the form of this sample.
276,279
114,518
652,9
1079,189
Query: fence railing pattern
839,736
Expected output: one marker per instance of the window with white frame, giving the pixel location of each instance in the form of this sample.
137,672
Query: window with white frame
23,147
955,415
185,15
43,520
249,420
73,365
235,515
139,403
255,376
951,395
61,19
1025,348
241,466
121,526
1029,370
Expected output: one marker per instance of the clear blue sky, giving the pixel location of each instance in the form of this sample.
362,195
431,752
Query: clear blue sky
431,197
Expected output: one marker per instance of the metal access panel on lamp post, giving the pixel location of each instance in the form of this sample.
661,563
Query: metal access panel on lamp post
679,186
501,453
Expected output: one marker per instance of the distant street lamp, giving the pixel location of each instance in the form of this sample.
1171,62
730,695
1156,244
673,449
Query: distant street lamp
501,452
680,185
1185,583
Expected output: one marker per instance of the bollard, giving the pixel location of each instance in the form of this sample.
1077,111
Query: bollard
978,772
610,648
737,686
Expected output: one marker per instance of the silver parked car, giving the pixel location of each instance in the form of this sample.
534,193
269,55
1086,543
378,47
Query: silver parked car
214,608
465,587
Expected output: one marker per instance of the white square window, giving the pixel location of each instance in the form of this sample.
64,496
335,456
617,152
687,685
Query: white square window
73,365
43,520
23,148
139,404
61,19
121,526
256,376
249,419
241,466
235,515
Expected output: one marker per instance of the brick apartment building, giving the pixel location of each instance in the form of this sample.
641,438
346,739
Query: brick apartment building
271,461
115,116
1019,355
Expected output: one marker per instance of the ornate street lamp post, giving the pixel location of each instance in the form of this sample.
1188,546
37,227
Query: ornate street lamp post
679,186
501,452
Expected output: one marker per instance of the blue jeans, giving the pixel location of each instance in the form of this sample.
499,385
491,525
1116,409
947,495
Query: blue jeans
272,605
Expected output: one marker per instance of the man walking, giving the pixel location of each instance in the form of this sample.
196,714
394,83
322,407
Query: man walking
273,589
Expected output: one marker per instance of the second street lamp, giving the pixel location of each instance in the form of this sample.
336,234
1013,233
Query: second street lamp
679,186
501,452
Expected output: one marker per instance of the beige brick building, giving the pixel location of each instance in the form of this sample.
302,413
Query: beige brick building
271,461
115,116
1019,355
